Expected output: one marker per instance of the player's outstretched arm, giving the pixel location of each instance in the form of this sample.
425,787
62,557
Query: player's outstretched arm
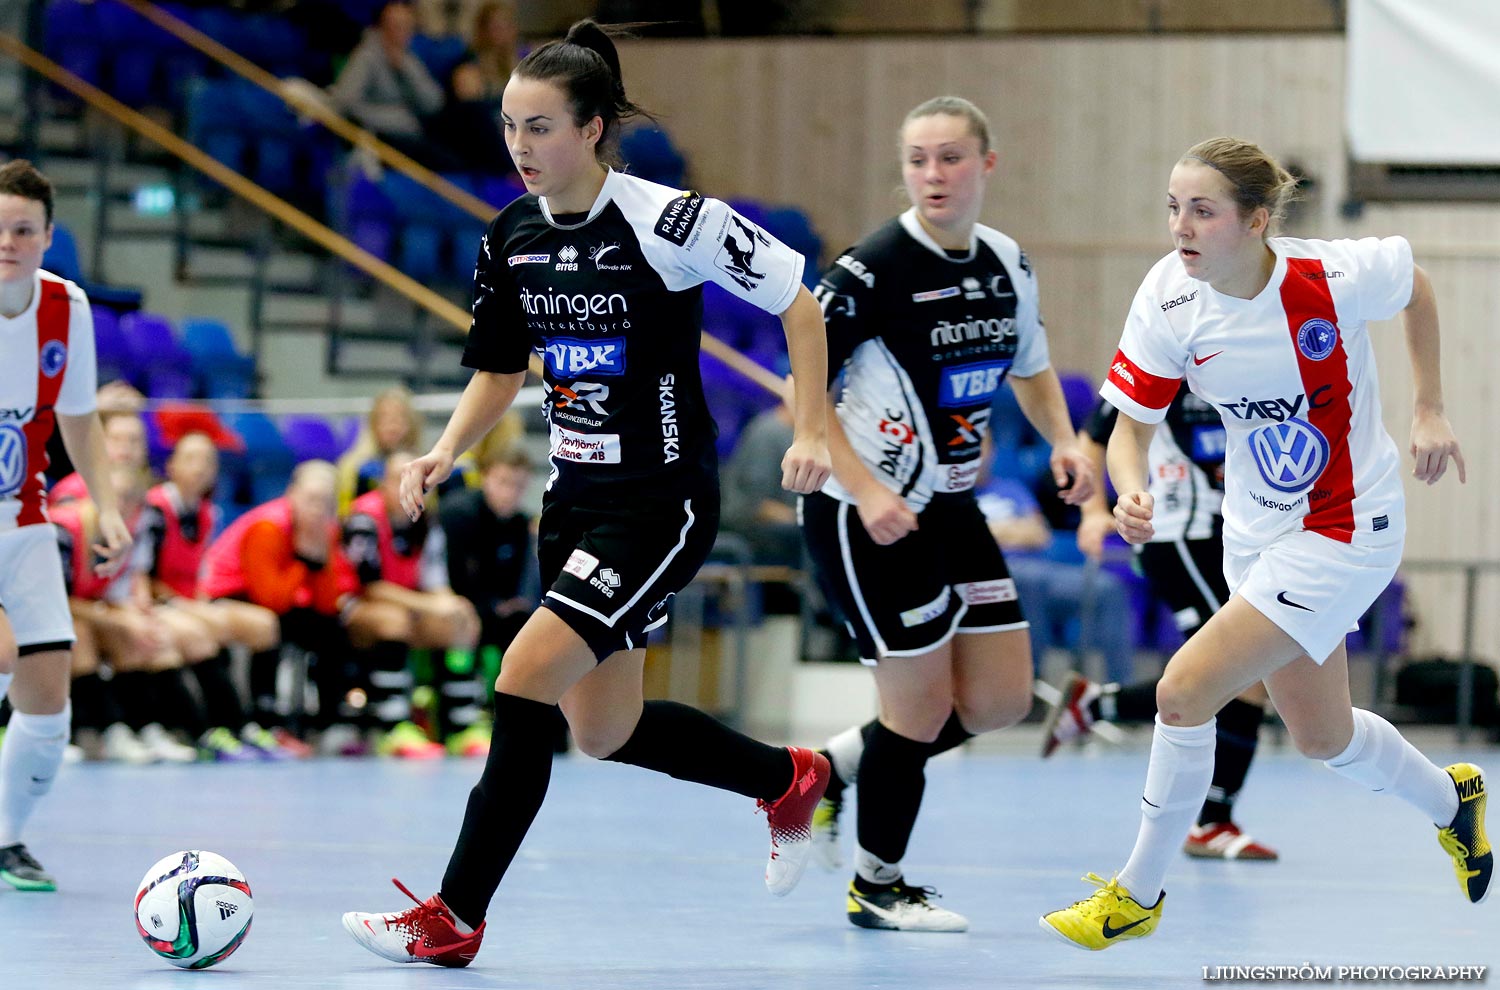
1432,437
83,438
485,399
806,464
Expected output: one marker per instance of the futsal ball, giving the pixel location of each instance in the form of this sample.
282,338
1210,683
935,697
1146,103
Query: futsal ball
193,909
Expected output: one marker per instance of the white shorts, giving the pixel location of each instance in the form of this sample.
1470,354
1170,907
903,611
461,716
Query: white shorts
32,588
1313,588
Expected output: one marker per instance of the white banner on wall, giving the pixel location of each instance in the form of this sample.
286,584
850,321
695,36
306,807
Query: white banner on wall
1424,81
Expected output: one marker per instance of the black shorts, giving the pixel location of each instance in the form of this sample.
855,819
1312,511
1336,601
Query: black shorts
1189,576
612,564
909,598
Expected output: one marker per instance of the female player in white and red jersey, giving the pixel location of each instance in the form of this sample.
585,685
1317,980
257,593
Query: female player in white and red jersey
1272,332
46,380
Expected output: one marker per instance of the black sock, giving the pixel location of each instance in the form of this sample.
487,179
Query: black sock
891,781
263,667
1136,702
1234,748
390,684
460,695
221,699
951,736
175,705
92,708
501,806
135,695
685,743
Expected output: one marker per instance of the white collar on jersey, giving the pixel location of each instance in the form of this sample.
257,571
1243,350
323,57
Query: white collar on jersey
606,193
914,227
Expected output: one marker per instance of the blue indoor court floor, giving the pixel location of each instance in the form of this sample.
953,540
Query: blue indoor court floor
630,880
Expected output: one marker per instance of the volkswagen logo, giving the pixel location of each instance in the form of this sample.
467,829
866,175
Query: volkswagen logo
12,459
1290,454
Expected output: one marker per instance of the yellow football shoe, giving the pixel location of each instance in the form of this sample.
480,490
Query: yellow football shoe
1464,840
1109,916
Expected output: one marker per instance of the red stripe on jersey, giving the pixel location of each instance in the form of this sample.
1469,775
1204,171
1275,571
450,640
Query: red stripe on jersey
1149,390
1305,296
52,314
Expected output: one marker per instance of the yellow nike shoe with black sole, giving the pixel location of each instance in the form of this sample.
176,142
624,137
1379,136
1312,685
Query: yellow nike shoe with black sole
1106,918
1465,840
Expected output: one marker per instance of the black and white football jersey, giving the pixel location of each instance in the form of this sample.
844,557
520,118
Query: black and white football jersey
925,337
612,302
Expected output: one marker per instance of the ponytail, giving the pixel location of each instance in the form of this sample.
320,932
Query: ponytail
585,65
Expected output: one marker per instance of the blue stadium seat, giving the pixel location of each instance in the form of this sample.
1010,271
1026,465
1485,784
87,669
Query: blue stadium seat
213,122
220,370
61,258
112,351
649,153
309,438
162,367
1081,395
73,41
268,460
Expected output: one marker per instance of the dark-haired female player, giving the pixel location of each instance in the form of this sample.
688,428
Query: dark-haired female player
600,273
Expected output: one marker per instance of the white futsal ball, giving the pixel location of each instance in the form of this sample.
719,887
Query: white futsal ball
193,909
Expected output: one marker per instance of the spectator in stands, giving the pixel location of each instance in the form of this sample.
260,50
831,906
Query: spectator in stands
756,507
144,652
493,49
492,550
405,602
385,88
393,424
286,556
1056,592
172,536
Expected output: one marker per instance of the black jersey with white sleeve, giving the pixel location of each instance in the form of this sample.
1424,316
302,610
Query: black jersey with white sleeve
612,302
925,337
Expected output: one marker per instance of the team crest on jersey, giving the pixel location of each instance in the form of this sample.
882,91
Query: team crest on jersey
54,358
1290,455
1317,339
13,459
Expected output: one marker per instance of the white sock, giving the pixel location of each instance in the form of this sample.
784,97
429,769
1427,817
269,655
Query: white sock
873,869
1380,758
29,761
5,684
844,751
1182,765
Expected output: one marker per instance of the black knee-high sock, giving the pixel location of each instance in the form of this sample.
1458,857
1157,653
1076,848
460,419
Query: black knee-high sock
891,781
222,703
1234,748
135,695
390,684
685,743
1134,703
460,695
92,706
263,667
951,736
501,806
175,705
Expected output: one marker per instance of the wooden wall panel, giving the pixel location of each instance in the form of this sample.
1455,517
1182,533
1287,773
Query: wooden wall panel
1087,129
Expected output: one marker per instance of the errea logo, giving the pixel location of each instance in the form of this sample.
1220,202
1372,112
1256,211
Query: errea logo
567,259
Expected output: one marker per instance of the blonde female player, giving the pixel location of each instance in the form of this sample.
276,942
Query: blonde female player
927,317
1272,332
601,274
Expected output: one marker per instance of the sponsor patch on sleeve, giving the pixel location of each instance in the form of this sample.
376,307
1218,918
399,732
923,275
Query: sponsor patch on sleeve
678,219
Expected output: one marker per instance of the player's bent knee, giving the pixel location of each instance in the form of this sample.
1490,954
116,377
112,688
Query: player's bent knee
1178,704
1319,742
